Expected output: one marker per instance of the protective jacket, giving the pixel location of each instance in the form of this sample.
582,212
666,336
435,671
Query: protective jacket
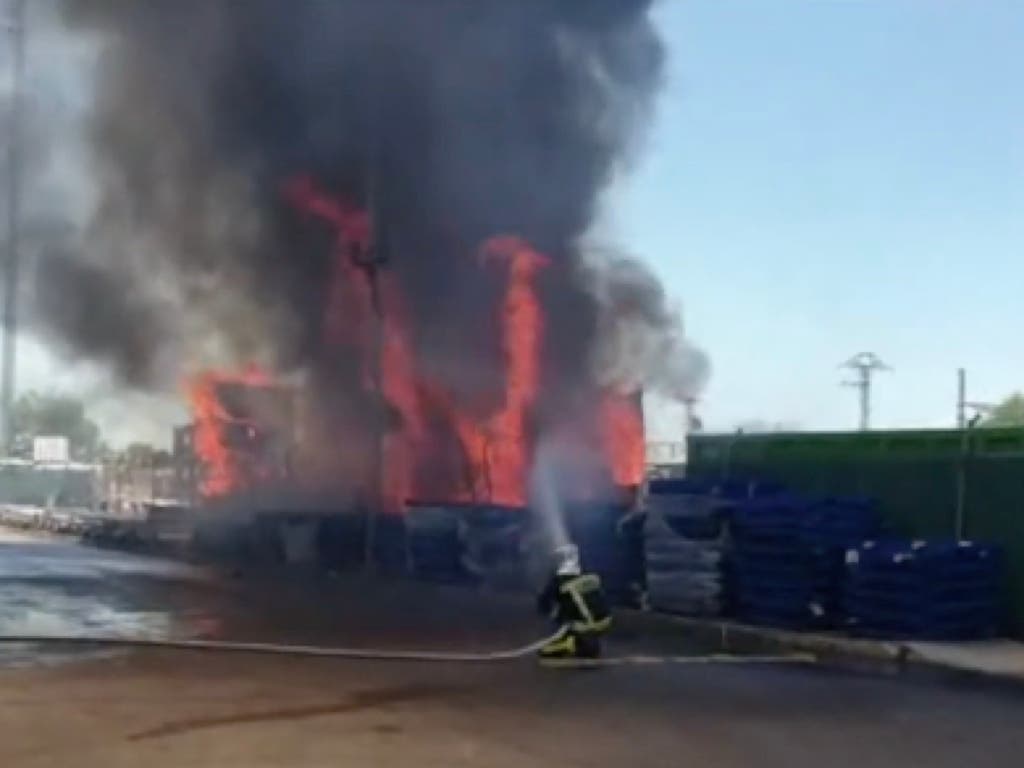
577,602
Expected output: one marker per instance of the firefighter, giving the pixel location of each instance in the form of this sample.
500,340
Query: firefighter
576,602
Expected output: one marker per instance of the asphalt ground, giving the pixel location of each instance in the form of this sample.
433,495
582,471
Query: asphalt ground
160,708
175,709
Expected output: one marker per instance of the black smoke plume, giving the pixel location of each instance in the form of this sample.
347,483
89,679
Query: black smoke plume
474,117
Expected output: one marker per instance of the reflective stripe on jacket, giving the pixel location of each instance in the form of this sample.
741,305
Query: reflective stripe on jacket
583,605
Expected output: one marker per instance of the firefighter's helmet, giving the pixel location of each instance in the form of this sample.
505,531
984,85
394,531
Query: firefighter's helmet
567,560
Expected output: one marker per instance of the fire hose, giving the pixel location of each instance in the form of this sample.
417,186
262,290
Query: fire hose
385,655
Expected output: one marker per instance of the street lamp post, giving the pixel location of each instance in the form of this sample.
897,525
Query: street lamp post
372,261
11,267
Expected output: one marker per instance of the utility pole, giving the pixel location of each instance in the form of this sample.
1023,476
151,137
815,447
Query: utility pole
693,426
371,260
864,367
693,423
965,406
967,427
11,267
961,398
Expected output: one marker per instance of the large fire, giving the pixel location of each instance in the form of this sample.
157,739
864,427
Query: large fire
365,311
497,450
231,442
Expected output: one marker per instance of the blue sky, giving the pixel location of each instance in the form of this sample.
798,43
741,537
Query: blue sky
825,178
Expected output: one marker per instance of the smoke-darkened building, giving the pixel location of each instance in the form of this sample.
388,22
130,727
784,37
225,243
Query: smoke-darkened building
242,438
185,463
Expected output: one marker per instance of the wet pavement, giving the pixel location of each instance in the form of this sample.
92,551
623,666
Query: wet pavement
54,587
207,709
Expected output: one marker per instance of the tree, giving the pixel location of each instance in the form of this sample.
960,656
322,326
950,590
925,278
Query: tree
1009,413
39,415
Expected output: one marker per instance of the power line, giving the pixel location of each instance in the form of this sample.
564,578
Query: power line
864,366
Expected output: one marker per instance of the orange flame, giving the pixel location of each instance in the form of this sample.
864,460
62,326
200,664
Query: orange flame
353,314
365,310
224,470
499,450
622,435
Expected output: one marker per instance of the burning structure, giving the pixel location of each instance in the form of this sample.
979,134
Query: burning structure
242,433
385,202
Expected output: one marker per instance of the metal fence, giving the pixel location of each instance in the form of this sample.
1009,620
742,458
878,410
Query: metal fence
28,484
665,452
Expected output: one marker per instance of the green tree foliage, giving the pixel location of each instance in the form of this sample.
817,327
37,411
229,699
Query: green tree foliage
41,415
1009,413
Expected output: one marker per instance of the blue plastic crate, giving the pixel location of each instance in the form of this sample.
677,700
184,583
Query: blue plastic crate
926,589
788,556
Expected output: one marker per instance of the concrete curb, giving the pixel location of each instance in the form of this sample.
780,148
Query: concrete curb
833,650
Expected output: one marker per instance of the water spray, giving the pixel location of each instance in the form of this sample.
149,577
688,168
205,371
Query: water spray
546,497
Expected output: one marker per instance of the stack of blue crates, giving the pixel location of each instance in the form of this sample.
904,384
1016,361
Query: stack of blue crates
686,547
435,549
939,589
390,549
630,531
788,557
608,547
341,541
492,539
